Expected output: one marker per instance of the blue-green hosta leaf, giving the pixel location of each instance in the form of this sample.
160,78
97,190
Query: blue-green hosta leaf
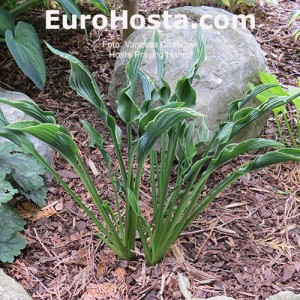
166,119
11,243
57,137
101,5
70,8
24,45
30,108
6,22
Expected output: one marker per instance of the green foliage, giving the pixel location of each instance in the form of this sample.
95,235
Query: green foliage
294,17
22,40
165,122
20,173
267,78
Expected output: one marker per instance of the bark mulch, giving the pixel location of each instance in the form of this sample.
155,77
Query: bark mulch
246,243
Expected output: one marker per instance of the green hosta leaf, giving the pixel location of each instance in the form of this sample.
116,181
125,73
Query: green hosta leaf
81,80
55,136
294,16
31,109
166,119
25,47
267,78
127,109
6,22
184,90
234,150
133,201
101,5
11,243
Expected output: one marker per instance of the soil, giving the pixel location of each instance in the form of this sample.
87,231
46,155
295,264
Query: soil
246,243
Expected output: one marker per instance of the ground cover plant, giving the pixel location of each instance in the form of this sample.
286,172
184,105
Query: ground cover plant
20,173
164,116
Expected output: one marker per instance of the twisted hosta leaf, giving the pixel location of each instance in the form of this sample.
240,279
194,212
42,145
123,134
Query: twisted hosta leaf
31,109
6,22
184,90
166,119
70,8
127,109
10,241
24,45
56,136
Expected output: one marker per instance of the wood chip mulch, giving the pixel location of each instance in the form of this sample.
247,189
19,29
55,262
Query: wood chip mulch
246,243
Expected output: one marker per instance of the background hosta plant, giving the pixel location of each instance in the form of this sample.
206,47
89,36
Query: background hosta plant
164,121
294,17
21,37
282,111
20,173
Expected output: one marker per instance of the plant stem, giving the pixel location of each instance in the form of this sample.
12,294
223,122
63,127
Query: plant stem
23,7
286,121
279,128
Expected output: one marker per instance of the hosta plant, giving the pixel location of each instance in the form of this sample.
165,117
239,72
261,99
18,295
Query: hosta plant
20,173
294,17
164,133
267,78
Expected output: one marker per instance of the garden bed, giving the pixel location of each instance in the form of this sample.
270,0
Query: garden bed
246,243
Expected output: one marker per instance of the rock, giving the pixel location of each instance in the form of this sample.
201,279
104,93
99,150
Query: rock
233,60
220,298
286,295
13,115
10,289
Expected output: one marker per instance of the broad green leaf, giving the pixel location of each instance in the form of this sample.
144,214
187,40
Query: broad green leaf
267,78
293,91
11,243
25,47
6,22
31,109
166,119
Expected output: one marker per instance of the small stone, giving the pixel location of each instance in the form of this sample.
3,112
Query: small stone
10,289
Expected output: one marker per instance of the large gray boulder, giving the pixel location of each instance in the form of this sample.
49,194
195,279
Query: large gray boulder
233,60
10,289
14,115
